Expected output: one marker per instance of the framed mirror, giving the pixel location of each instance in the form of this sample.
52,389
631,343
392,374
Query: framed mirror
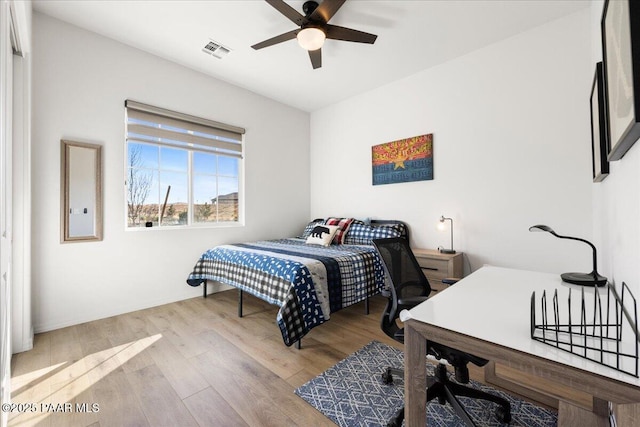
81,192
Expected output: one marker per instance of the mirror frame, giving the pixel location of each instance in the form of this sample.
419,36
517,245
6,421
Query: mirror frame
65,146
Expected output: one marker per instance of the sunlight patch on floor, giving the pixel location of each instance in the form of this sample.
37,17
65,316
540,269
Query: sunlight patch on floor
57,388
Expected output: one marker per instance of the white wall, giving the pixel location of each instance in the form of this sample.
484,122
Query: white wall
511,141
80,82
616,200
512,149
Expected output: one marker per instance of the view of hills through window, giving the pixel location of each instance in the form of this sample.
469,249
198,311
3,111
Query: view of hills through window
169,186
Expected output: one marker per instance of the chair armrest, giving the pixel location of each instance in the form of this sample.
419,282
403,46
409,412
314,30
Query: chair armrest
410,302
450,280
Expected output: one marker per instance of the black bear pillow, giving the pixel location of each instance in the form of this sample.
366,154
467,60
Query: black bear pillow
322,234
309,228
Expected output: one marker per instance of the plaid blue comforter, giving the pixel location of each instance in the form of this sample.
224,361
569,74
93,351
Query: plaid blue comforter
307,282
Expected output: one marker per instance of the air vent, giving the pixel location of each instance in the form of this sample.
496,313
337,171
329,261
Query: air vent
214,48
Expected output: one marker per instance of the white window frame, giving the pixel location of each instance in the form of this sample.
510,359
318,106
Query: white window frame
227,141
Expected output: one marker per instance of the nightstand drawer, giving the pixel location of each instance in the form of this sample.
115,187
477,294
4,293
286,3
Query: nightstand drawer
437,266
434,269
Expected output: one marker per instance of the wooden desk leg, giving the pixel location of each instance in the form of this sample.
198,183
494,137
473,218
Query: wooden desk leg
415,377
627,414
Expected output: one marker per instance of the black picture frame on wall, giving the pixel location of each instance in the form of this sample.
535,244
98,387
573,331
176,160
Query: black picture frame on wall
620,27
599,135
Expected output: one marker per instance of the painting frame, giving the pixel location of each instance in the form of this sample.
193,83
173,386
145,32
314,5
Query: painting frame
620,27
599,134
403,160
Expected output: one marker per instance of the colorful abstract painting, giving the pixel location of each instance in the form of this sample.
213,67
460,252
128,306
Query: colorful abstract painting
405,160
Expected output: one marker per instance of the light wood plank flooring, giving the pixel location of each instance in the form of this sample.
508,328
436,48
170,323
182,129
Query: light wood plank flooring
189,363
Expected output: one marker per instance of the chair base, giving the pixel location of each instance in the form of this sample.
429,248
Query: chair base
440,387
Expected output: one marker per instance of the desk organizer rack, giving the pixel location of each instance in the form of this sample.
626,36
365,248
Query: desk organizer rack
596,335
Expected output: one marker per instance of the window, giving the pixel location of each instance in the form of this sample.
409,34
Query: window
181,170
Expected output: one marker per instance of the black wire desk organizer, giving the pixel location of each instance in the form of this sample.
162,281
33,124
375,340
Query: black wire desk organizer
597,332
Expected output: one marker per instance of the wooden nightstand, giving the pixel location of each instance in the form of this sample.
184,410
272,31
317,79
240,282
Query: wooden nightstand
437,266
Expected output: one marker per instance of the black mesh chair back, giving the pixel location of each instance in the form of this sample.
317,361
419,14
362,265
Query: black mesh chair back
403,268
407,284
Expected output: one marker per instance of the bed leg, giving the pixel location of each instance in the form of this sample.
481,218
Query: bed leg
239,302
204,289
299,344
366,306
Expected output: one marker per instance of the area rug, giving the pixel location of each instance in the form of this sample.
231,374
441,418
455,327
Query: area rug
352,394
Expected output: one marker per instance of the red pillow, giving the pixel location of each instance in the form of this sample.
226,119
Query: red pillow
343,225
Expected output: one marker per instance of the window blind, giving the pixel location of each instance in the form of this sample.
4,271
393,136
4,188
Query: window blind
146,123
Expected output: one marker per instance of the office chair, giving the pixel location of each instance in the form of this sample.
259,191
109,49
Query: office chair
409,287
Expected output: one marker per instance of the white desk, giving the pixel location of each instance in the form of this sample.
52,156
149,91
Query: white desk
488,314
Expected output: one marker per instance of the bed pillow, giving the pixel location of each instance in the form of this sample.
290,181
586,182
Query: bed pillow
309,228
365,221
322,234
343,226
361,234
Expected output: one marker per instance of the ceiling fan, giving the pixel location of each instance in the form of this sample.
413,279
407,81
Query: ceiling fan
314,28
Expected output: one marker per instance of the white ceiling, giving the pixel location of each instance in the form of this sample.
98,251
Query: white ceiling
412,36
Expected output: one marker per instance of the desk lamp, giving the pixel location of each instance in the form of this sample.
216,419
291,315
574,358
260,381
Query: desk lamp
441,228
583,279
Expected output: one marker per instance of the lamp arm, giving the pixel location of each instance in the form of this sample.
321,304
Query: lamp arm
595,257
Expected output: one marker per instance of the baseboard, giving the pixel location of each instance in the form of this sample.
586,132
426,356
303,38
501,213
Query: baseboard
211,289
26,345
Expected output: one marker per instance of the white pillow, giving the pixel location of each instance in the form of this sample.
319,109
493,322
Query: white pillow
322,234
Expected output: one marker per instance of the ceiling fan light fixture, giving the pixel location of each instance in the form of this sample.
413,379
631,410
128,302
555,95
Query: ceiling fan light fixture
311,38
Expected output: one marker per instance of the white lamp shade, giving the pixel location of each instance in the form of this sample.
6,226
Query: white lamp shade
311,38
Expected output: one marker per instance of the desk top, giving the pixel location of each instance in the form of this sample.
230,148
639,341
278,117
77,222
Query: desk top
494,304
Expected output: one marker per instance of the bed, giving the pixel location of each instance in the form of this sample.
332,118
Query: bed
307,280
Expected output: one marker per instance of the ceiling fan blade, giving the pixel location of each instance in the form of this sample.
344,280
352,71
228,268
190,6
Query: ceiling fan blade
347,34
277,39
316,58
326,10
295,16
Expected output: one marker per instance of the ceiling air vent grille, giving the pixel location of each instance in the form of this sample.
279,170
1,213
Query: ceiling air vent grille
214,48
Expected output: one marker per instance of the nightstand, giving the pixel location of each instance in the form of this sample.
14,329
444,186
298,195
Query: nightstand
437,266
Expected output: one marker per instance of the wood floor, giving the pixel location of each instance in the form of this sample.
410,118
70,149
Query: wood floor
189,363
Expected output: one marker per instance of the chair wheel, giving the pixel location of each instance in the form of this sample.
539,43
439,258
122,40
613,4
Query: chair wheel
503,415
387,376
396,420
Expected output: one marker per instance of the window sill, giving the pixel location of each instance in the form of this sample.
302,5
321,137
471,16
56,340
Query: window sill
186,227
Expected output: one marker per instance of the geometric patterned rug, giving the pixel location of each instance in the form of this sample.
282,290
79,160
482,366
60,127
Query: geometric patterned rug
352,394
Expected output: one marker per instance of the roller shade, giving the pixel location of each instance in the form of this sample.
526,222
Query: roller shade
146,123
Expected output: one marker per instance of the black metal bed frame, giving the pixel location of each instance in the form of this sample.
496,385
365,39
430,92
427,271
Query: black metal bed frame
366,301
